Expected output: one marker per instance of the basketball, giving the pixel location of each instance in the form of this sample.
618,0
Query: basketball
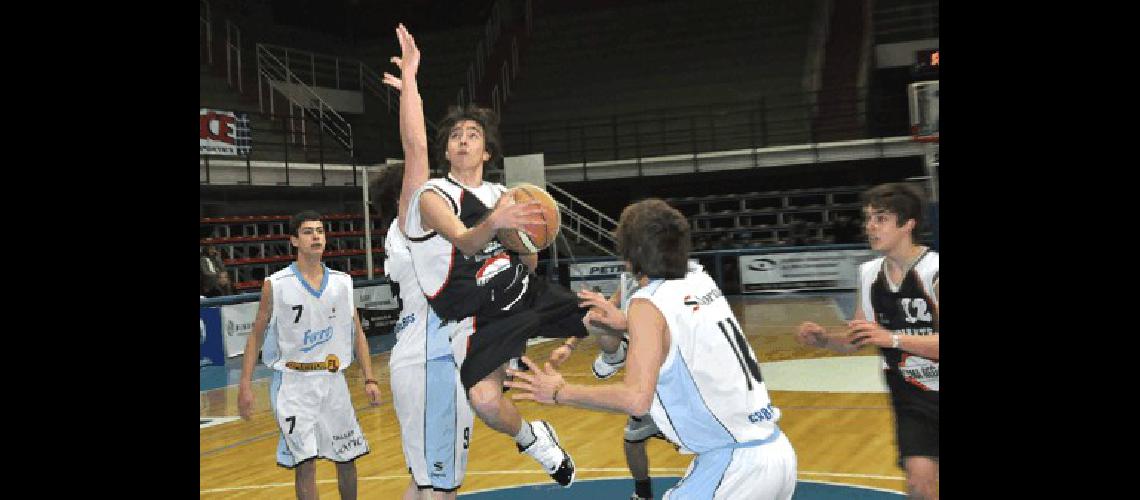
543,236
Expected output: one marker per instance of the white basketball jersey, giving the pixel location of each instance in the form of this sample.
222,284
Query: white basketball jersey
433,256
309,325
710,393
413,344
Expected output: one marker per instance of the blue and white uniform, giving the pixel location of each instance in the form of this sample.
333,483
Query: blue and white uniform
309,343
427,356
711,399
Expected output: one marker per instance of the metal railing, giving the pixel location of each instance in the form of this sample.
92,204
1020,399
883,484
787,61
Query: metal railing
583,221
914,21
689,130
272,141
233,54
276,74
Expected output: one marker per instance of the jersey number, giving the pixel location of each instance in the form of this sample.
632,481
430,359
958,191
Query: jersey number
740,348
292,423
298,308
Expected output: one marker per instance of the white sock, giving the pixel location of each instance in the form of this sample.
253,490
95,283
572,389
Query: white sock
615,357
525,437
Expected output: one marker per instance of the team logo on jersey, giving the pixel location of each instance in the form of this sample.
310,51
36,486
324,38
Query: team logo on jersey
313,339
690,302
332,362
919,313
492,267
702,300
919,371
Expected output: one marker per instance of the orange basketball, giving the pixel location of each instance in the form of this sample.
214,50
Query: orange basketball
543,236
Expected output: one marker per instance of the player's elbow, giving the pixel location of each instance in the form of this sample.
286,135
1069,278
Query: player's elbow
640,403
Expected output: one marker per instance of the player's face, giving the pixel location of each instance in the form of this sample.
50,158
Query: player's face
310,239
466,148
882,228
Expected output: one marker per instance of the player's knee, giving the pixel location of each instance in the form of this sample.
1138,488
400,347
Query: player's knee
484,397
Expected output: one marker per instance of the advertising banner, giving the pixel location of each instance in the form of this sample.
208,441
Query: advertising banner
834,269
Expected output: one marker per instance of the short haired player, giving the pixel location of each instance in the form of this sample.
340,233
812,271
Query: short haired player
689,366
897,311
311,328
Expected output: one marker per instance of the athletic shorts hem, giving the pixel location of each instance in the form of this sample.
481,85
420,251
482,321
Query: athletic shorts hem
299,462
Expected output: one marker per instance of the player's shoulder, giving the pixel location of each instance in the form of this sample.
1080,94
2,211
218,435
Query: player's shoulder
927,266
286,272
339,276
872,265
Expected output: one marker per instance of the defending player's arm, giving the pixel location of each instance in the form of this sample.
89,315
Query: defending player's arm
648,338
252,347
371,386
439,217
413,132
604,312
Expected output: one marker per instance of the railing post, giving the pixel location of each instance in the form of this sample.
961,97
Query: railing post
321,141
260,104
238,31
229,79
285,145
693,140
637,147
763,122
614,132
313,68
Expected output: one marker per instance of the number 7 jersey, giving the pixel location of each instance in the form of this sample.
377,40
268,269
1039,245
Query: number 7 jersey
710,393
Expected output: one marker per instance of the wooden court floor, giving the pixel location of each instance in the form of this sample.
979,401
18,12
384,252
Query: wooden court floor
839,437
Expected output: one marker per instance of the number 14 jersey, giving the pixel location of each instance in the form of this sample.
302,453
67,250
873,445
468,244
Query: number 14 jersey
710,393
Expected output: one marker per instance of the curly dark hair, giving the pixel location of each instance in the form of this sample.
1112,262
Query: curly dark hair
487,118
654,238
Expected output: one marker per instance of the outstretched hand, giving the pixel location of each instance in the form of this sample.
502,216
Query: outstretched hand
408,61
537,384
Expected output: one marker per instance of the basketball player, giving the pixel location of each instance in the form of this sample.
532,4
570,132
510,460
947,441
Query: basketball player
688,366
897,310
612,355
431,406
466,273
311,326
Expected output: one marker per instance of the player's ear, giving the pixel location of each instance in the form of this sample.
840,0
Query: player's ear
486,156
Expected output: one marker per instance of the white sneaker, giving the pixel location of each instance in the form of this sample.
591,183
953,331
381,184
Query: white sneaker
605,366
546,450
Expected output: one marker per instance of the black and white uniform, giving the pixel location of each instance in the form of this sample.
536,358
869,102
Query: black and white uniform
907,308
506,302
308,344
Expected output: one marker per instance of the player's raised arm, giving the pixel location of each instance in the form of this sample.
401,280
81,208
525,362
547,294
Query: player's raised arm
413,131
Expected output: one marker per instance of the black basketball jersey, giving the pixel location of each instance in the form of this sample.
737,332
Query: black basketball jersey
908,309
458,286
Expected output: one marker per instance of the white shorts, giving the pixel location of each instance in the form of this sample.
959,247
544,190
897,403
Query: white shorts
315,415
437,459
761,472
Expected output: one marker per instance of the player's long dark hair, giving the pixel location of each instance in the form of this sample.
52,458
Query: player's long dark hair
487,118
